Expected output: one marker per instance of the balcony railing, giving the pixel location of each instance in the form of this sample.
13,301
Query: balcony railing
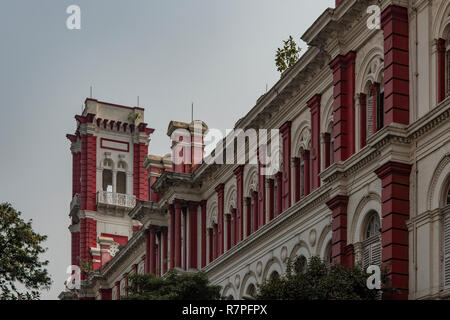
116,199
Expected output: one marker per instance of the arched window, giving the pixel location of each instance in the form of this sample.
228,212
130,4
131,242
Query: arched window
107,175
121,179
372,241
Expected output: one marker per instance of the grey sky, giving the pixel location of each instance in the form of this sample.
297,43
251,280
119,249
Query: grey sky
219,54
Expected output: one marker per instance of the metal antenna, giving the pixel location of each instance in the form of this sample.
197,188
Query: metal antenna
91,92
138,101
192,112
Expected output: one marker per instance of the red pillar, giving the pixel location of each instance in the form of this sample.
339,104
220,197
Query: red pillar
327,147
261,190
394,22
193,206
270,183
239,173
248,205
235,227
147,252
441,52
255,211
375,89
343,109
228,218
211,244
279,177
165,248
172,236
152,250
286,185
338,206
220,218
394,232
203,237
106,294
307,171
314,107
184,239
140,182
296,162
216,241
177,237
362,120
118,289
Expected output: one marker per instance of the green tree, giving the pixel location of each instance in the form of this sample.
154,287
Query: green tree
318,281
173,286
288,55
22,273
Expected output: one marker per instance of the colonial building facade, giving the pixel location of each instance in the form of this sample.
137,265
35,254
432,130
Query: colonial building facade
364,177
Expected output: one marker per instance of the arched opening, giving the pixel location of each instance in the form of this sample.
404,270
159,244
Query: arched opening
372,240
250,293
121,182
107,177
274,276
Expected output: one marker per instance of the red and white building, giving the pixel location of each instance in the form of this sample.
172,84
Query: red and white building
364,119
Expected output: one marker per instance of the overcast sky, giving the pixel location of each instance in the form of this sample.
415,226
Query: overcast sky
218,54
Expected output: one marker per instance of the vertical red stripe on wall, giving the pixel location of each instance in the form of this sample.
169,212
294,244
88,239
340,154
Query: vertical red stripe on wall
270,183
314,107
394,22
248,205
362,120
343,108
395,181
286,185
193,207
177,233
261,189
106,294
203,237
239,173
165,250
140,182
172,236
220,218
338,207
441,51
88,172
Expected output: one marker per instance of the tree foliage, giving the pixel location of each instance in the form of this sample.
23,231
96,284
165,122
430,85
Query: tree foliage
288,55
318,281
22,273
173,286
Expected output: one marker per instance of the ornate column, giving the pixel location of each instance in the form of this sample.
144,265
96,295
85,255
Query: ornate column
220,218
203,235
235,228
286,184
248,205
255,211
172,236
344,105
193,207
270,186
394,232
228,219
279,177
314,107
306,173
152,250
166,247
394,22
177,237
296,162
239,172
338,206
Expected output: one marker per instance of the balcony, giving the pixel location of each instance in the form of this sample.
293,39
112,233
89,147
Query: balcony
111,199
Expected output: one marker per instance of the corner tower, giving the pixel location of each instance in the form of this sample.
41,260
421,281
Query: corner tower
108,148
